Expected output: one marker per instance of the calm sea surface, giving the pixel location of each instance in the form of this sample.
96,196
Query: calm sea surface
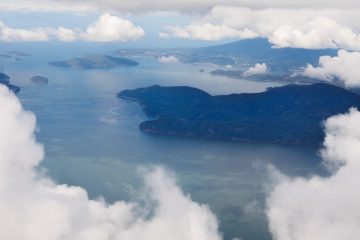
92,138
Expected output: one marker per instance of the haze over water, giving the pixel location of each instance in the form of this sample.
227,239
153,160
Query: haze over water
92,138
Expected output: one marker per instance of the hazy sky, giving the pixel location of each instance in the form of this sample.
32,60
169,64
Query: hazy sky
151,23
299,23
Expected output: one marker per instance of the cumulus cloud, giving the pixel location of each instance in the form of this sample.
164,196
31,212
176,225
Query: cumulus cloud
343,67
259,68
208,32
299,28
107,28
301,24
323,207
34,207
110,28
168,59
320,32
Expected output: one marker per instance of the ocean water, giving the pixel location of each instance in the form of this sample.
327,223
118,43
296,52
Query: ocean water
92,139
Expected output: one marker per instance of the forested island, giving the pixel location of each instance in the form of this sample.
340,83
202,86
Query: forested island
5,80
95,62
39,80
291,114
14,55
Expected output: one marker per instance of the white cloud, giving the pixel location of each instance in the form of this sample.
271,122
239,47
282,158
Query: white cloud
300,28
45,6
343,67
186,6
320,32
323,208
11,34
168,59
301,24
66,35
33,207
107,28
259,68
110,28
208,32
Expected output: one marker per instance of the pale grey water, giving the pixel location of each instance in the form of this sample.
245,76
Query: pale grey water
92,139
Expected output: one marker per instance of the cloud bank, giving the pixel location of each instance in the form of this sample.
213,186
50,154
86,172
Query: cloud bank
259,68
207,32
284,27
107,28
323,208
185,6
37,34
343,67
299,24
34,207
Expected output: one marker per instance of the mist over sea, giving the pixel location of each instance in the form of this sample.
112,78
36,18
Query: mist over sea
92,138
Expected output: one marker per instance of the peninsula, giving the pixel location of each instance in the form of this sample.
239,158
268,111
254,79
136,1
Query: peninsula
291,114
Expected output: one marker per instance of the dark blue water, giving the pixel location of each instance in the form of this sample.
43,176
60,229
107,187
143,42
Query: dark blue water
92,138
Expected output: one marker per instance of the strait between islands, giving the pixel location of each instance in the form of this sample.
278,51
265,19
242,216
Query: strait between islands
291,114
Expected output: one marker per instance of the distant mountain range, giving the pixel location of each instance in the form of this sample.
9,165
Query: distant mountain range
292,114
259,49
237,53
